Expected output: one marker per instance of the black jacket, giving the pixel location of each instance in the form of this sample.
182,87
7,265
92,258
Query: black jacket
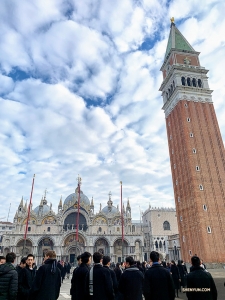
199,278
25,280
78,289
102,284
175,275
118,273
158,284
46,285
114,280
8,282
131,284
19,294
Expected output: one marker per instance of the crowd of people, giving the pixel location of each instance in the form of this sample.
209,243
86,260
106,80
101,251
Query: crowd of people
97,278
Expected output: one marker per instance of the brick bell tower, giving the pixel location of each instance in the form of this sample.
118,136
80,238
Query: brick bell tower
196,151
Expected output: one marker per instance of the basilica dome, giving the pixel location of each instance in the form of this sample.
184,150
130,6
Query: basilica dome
74,198
109,210
43,207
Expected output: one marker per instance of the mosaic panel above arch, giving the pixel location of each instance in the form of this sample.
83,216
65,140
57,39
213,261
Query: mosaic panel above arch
30,222
100,221
49,220
116,221
71,239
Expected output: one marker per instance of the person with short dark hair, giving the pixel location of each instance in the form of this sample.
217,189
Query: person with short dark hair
174,271
199,278
26,277
158,283
106,264
8,278
78,289
2,260
99,282
131,281
118,271
19,269
47,282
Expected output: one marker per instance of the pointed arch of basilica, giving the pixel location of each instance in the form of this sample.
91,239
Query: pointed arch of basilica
70,222
72,248
102,245
44,244
121,250
23,249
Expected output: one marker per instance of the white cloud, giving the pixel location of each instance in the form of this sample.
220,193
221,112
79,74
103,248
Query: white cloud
89,102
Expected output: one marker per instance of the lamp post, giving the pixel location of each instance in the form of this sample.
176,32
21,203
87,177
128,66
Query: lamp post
78,213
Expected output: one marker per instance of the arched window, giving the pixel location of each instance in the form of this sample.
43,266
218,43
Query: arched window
188,81
166,225
48,229
133,228
199,83
100,229
29,228
194,82
160,245
156,245
183,81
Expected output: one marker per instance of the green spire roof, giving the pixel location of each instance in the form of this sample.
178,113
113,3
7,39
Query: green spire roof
177,41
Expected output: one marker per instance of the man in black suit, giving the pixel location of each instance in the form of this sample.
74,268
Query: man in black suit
26,277
201,279
131,281
99,282
106,264
158,283
78,289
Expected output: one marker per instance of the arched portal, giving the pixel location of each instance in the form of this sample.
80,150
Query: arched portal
73,248
102,246
70,222
23,249
120,250
44,245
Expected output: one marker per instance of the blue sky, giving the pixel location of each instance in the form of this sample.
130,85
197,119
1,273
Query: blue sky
79,94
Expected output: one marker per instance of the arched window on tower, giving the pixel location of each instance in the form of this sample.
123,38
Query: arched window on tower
166,225
188,81
194,82
183,81
199,83
99,229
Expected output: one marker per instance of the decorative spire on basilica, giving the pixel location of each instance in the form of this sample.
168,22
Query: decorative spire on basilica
110,203
60,202
21,202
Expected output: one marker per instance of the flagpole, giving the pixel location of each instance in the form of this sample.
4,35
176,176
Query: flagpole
28,215
78,209
121,203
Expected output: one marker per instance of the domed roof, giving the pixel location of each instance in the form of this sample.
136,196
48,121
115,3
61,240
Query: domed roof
74,197
109,209
46,208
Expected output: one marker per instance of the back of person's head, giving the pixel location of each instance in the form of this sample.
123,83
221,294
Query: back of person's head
173,262
23,260
97,256
164,264
30,255
195,261
10,257
179,262
130,260
117,265
78,257
154,256
51,254
85,257
106,260
138,263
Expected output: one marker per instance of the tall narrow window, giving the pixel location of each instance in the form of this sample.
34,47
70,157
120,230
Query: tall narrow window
194,151
173,85
185,105
181,218
190,253
174,166
183,238
29,228
199,83
201,187
197,168
209,230
183,81
172,151
204,207
188,81
194,82
176,182
166,225
169,92
188,119
48,229
178,199
171,137
191,135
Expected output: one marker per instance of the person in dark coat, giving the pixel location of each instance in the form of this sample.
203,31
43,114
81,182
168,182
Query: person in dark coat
158,282
118,272
199,278
139,266
182,274
175,275
19,269
47,282
8,278
63,270
99,282
26,277
106,264
78,289
68,268
131,281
